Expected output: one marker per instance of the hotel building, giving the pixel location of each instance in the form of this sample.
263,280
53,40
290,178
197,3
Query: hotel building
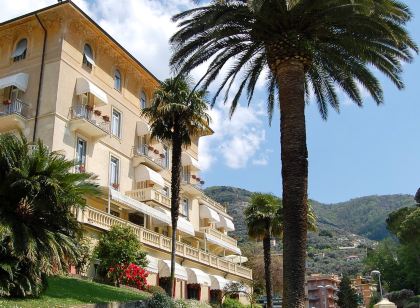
322,291
65,81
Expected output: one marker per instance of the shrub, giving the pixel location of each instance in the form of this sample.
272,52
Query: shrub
190,304
119,246
156,289
159,300
400,298
131,275
232,303
85,255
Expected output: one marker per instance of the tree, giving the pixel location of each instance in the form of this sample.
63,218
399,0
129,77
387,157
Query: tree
177,115
347,297
264,219
304,46
37,228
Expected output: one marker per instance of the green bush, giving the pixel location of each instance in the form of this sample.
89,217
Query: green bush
156,289
159,300
232,303
180,303
119,246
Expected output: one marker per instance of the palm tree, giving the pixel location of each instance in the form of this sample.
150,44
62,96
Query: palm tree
176,115
305,46
264,219
37,228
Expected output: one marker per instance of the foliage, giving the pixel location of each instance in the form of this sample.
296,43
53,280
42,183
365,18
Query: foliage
347,297
119,245
325,233
400,298
37,228
155,289
376,297
232,303
72,292
413,302
189,303
131,275
159,300
85,255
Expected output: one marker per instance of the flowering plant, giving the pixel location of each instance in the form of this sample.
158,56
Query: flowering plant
131,275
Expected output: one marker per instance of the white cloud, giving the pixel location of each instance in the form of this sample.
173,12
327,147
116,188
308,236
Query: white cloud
237,140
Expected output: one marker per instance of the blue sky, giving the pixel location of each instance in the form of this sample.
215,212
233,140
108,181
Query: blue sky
361,151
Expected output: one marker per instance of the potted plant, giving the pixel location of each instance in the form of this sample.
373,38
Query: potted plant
7,102
115,185
97,112
106,118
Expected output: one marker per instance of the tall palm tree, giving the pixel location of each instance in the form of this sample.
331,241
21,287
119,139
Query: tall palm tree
176,115
264,219
37,229
305,46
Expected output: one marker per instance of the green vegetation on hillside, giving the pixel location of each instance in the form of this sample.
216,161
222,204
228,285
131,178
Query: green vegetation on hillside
65,292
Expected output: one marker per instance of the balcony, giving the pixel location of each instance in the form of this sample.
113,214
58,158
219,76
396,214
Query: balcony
216,233
13,114
209,201
152,239
88,123
150,194
191,185
144,154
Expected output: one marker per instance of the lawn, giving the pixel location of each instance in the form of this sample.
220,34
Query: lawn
68,292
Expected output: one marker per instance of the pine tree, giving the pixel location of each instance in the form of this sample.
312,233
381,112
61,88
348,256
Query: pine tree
347,296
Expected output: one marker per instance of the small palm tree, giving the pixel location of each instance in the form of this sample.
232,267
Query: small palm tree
176,115
264,219
37,229
303,45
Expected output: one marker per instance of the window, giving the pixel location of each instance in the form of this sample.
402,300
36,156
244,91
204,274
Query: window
116,123
81,155
114,213
20,51
117,80
114,172
193,291
165,157
88,56
142,148
143,100
185,208
166,191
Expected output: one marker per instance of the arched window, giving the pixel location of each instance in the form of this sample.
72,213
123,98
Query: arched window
143,100
20,51
88,56
117,80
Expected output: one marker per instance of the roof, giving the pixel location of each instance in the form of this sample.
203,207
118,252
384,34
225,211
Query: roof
69,2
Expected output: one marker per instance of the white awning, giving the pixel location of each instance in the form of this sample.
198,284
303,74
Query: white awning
85,86
142,128
182,225
165,270
218,282
20,48
236,259
139,206
188,160
153,266
19,80
217,241
225,223
144,173
207,212
196,275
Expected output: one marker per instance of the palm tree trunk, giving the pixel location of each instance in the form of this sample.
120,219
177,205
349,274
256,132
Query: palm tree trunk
175,189
291,80
267,270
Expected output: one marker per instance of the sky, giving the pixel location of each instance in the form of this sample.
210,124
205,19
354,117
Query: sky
361,151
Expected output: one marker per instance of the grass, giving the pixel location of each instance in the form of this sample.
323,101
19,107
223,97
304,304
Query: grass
69,292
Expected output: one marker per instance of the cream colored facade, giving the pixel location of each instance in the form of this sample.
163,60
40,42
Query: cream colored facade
81,93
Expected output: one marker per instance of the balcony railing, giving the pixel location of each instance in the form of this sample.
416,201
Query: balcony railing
219,235
150,194
105,221
85,113
212,203
143,150
15,106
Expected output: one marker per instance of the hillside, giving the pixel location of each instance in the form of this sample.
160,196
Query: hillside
346,229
